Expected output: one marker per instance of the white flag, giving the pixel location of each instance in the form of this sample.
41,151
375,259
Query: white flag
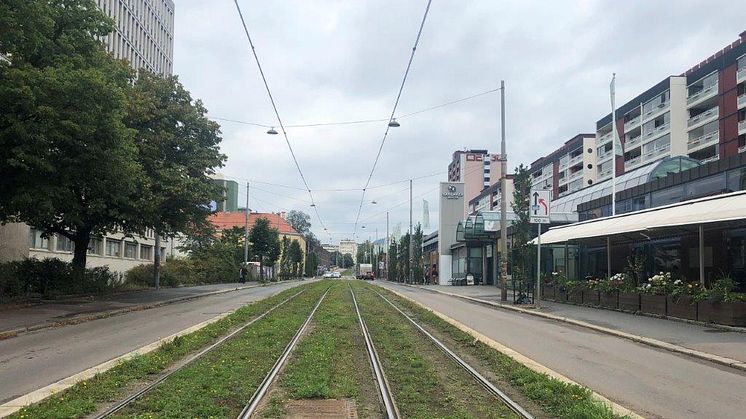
617,142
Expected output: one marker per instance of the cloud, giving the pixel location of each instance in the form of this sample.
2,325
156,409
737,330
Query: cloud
335,60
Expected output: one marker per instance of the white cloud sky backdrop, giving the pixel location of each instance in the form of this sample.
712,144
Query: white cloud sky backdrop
332,61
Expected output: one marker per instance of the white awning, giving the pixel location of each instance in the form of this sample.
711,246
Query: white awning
719,208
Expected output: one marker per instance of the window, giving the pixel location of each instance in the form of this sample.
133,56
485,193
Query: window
660,145
36,241
130,250
707,186
94,247
146,252
113,248
64,244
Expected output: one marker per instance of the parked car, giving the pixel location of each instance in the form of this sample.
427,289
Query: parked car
336,275
368,276
327,275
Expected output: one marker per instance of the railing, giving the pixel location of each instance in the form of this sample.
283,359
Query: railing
631,122
709,137
576,159
605,173
741,101
576,175
712,112
604,138
709,159
605,155
657,108
741,75
655,153
632,162
742,127
742,148
633,141
707,91
656,131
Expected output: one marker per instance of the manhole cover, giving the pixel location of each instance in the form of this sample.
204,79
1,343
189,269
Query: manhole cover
318,409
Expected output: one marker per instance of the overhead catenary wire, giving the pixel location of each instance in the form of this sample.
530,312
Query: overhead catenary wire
277,113
393,112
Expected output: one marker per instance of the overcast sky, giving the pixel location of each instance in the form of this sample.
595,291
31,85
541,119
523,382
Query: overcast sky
332,61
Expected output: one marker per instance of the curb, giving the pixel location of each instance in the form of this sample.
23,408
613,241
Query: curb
522,359
7,334
721,360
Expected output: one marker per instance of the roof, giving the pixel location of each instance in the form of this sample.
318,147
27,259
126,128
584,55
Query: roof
715,209
228,220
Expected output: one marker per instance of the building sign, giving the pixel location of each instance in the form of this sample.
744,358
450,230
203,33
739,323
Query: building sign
539,210
452,193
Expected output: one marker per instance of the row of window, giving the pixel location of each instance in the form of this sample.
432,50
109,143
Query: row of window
108,247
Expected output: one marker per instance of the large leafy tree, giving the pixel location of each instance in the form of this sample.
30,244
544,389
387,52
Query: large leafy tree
300,221
69,162
295,257
523,252
392,262
265,243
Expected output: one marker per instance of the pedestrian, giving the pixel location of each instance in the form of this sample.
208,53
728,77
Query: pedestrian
242,274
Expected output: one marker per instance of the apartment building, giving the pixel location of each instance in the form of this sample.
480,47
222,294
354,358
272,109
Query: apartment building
476,169
229,199
490,198
570,168
143,33
348,247
700,113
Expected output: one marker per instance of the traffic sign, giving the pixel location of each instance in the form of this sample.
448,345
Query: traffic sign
539,209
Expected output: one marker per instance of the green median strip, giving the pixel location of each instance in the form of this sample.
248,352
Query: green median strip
330,362
424,381
87,396
555,398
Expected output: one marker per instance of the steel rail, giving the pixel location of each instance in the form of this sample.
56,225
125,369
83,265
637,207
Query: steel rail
261,391
392,412
510,403
139,393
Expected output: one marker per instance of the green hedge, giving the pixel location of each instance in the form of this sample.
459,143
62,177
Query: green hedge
51,277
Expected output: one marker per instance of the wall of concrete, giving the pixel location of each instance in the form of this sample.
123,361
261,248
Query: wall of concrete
14,241
450,212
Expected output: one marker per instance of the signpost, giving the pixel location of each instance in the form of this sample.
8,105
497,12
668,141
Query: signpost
539,214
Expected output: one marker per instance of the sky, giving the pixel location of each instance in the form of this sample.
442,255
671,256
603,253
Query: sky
330,61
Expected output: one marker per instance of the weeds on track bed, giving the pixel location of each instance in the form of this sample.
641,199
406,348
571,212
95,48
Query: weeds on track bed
424,381
556,398
331,361
85,397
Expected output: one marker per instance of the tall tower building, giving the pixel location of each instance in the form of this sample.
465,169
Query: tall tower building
477,169
143,34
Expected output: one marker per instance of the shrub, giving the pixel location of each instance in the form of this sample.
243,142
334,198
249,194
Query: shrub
174,272
51,277
141,275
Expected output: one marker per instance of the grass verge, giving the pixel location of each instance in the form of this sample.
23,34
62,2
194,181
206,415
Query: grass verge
554,397
221,383
424,381
331,361
85,397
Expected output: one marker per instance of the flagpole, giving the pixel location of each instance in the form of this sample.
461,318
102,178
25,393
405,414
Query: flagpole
613,142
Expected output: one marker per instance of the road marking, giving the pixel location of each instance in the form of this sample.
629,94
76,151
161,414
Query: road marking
522,359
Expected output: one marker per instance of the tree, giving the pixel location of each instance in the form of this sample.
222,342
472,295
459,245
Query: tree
403,258
522,250
347,261
285,258
311,264
69,162
300,221
392,274
296,259
417,267
265,243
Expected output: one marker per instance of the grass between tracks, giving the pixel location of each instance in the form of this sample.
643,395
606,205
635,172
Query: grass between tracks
424,381
85,397
330,362
556,398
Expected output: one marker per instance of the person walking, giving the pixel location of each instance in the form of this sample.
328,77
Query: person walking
242,274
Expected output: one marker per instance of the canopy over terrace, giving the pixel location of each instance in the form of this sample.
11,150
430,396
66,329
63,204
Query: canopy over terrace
724,210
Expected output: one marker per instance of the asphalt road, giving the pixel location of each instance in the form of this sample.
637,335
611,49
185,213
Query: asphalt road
32,361
654,383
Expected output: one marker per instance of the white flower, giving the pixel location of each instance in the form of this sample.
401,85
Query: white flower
677,282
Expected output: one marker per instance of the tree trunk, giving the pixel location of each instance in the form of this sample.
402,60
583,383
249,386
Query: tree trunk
157,262
261,270
80,254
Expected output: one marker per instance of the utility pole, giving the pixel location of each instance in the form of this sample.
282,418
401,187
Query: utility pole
157,261
246,231
411,237
503,201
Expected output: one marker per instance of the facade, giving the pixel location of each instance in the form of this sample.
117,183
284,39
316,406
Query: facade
227,220
331,248
568,169
476,169
491,197
450,213
229,201
143,33
348,247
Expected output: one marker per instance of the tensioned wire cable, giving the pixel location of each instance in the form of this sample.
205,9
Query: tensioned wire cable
277,113
393,112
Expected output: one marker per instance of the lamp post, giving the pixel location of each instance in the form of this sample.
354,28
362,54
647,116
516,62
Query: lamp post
503,201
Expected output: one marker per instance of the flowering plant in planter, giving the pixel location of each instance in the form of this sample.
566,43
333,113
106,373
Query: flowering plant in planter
720,291
682,288
658,284
615,283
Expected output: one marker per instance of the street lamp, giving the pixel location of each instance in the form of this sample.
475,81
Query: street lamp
373,202
272,131
393,123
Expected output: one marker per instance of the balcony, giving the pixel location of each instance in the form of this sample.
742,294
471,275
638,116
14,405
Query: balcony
713,112
655,110
710,137
742,101
576,175
655,132
742,127
633,142
742,148
603,139
703,94
628,164
709,159
653,154
604,174
605,155
576,159
631,123
741,75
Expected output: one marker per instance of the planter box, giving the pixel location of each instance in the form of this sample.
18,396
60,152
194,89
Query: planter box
591,297
560,295
629,301
547,292
731,314
653,304
575,296
683,307
609,299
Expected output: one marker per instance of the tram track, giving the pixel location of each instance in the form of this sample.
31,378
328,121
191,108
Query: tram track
164,376
488,385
